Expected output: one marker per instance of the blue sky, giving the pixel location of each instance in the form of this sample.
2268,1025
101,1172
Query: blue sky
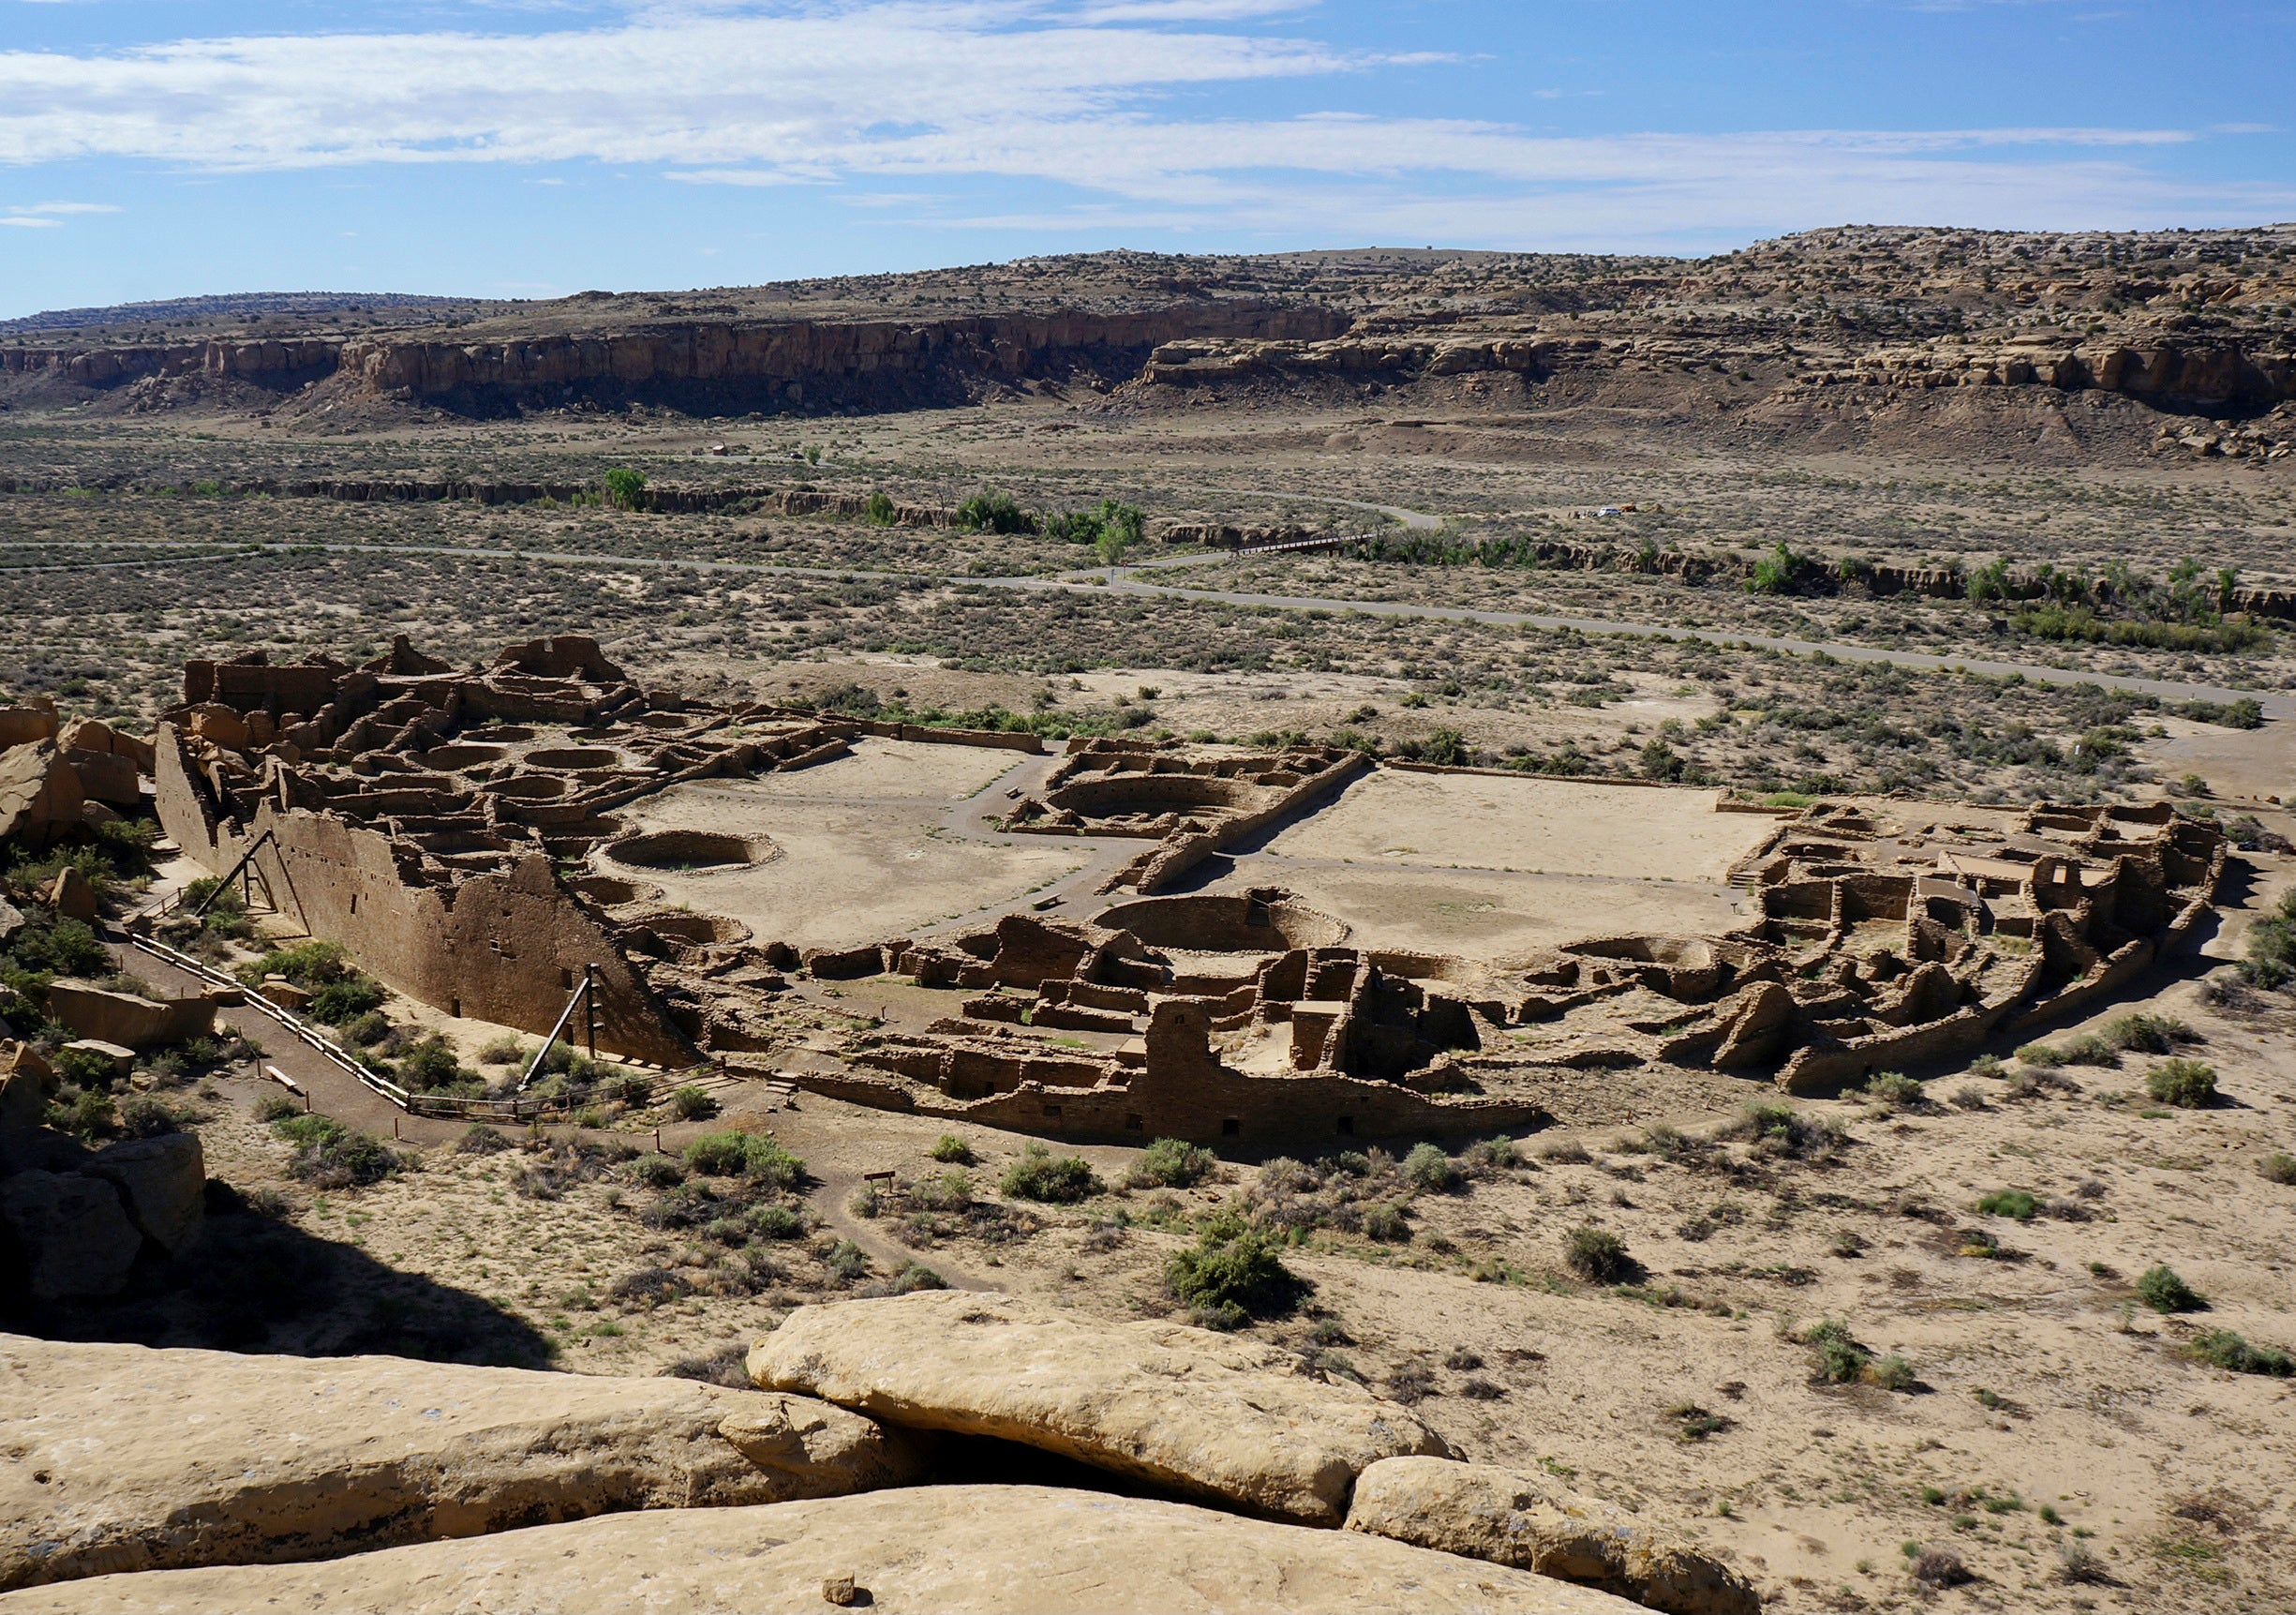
157,148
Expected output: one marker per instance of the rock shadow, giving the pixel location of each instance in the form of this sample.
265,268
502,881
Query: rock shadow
256,1284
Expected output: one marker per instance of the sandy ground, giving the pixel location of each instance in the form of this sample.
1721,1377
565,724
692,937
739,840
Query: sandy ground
1482,914
866,851
1553,826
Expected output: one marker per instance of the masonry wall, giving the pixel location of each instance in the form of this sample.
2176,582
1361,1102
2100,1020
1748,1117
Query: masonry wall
502,948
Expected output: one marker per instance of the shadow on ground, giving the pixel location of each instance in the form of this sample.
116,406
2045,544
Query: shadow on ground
254,1283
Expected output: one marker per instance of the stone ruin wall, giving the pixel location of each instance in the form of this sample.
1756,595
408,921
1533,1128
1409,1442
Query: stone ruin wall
508,948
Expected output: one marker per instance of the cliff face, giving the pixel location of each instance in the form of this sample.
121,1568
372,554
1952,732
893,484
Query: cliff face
705,363
802,362
286,362
2206,375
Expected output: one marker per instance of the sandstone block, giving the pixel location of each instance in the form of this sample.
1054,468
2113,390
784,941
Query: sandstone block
22,725
945,1549
161,1459
1180,1407
1484,1512
94,735
70,896
104,777
162,1184
123,1018
74,1238
39,794
120,1058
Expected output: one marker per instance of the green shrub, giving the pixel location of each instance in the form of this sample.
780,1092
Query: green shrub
1231,1276
2143,1034
2040,1054
1894,1088
346,1000
1596,1254
777,1223
479,1139
1429,1168
1774,573
846,1260
2013,1202
951,1150
991,511
1385,1223
1041,1175
83,1068
916,1276
1171,1163
329,1154
1839,1359
2279,1167
879,508
755,1155
623,487
430,1066
2228,1350
658,1172
691,1104
1891,1374
2159,1288
1487,1157
85,1114
363,1031
2188,1084
143,1116
2271,960
276,1107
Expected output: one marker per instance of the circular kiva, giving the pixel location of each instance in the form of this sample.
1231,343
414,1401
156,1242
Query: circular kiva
612,889
460,756
691,851
572,757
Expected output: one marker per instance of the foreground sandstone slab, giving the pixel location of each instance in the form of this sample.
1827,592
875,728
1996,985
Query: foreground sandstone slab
1182,1408
122,1458
1508,1518
953,1551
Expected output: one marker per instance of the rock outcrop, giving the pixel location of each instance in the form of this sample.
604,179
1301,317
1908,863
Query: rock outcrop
949,1549
1177,1407
125,1458
70,1232
1508,1518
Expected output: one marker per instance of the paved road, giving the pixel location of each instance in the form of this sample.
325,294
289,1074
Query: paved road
2275,705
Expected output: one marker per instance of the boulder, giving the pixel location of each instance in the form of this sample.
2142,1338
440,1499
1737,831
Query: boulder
11,919
162,1183
93,1011
94,735
1182,1408
76,1240
1509,1518
105,777
26,726
825,1450
149,1460
70,896
118,1058
39,794
947,1549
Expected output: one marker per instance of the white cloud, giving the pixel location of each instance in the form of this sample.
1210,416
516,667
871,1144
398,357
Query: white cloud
1095,95
69,207
23,222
